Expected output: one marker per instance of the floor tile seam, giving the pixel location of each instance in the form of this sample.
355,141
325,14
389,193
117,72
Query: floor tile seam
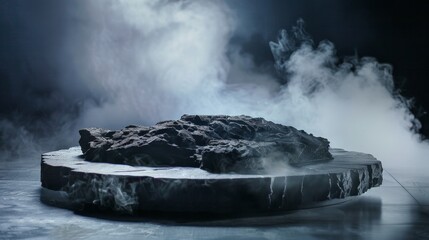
403,187
18,181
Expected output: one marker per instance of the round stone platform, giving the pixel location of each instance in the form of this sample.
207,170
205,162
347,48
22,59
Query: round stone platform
130,189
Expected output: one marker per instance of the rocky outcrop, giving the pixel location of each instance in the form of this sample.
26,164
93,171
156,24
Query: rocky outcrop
218,144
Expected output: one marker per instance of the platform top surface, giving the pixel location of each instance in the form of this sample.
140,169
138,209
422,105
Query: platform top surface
72,158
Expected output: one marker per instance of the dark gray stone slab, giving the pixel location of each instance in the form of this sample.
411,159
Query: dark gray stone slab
132,189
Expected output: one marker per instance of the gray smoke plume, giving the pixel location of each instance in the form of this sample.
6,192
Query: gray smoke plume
139,62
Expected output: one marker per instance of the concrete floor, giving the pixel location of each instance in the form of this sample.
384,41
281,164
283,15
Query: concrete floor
399,209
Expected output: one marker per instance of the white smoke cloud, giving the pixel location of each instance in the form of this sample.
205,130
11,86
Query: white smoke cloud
161,59
156,60
353,104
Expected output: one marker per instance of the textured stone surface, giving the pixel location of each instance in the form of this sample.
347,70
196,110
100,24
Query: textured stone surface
239,144
132,189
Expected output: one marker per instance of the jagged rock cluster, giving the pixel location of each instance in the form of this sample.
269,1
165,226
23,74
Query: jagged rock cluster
218,144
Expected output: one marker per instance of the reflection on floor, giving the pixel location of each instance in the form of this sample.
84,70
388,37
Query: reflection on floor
399,209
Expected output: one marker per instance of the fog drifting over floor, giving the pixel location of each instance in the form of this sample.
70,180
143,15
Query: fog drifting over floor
147,61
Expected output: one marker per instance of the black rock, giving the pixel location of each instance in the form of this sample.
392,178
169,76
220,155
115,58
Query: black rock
218,144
